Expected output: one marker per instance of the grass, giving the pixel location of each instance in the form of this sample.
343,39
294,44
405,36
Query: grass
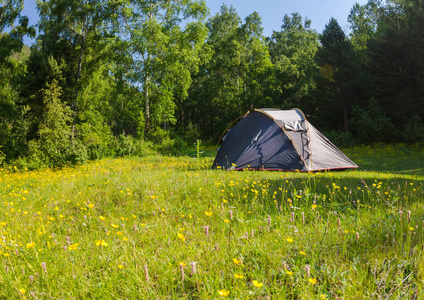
171,228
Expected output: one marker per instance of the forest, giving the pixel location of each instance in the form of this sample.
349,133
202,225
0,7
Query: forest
127,77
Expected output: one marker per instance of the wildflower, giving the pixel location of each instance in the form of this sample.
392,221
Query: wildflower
22,291
236,261
208,213
301,252
91,205
101,243
227,221
312,280
114,225
290,240
73,246
289,272
102,218
257,284
183,264
181,236
120,267
323,296
44,267
238,276
314,206
224,293
30,245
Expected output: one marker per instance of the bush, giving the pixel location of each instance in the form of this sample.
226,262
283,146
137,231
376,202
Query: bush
127,145
413,131
162,140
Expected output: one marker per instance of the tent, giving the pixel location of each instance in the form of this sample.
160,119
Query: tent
283,140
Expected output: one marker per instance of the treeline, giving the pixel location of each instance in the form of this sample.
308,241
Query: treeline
122,77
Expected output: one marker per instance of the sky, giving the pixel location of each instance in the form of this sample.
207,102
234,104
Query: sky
270,11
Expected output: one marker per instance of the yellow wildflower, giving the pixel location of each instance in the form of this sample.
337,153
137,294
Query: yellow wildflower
73,246
290,240
224,293
101,243
30,245
181,236
257,284
312,280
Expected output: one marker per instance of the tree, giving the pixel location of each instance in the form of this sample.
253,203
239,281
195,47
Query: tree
238,76
293,51
160,53
397,62
337,83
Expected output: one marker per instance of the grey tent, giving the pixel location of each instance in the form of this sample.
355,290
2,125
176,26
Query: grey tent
273,139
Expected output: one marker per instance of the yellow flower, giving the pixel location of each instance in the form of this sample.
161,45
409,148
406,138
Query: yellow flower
120,267
181,236
114,225
301,252
101,243
289,272
223,293
323,296
314,206
257,284
208,213
30,245
102,218
183,264
73,246
236,261
238,276
290,240
91,205
227,221
312,280
22,291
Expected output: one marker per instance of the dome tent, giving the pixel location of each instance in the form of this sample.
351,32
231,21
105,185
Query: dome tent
283,140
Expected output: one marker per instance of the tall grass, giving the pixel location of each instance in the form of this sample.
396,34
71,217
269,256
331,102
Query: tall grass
171,228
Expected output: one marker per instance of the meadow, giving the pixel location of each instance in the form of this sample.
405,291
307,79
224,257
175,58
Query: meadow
171,228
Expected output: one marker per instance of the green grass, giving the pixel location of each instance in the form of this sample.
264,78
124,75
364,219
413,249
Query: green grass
171,228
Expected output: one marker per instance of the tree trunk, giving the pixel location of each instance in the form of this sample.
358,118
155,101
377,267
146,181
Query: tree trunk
147,105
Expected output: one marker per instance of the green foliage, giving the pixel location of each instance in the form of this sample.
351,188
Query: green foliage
162,140
130,146
160,54
293,52
55,146
413,131
237,78
157,75
371,125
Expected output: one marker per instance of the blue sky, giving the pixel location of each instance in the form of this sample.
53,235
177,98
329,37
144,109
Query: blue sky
271,11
